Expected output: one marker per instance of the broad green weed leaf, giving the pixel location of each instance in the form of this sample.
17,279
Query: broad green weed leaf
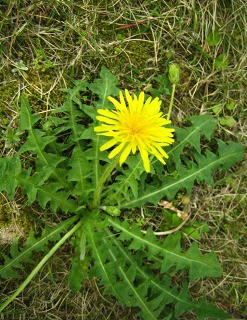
201,125
10,168
127,183
228,121
231,151
58,199
11,137
27,121
76,276
79,172
228,155
72,117
213,39
221,62
72,111
100,268
170,250
95,156
74,93
208,310
123,289
129,278
105,86
31,183
36,142
19,256
79,267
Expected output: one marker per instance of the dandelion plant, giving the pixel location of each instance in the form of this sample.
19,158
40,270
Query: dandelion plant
97,163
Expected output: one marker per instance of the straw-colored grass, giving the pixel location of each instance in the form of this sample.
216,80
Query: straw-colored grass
59,41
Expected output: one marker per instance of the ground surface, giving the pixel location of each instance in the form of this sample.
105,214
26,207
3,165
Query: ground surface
45,45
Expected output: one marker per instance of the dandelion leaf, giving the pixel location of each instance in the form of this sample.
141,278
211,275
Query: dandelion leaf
18,256
74,93
31,183
72,112
127,182
201,125
27,120
79,266
57,198
171,251
123,259
80,171
227,155
10,168
96,157
76,276
36,142
102,269
208,310
105,86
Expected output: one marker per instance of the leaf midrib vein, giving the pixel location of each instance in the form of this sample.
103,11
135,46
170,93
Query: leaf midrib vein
126,204
44,239
154,245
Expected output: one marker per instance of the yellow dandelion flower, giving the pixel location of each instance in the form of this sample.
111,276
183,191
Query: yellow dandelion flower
135,125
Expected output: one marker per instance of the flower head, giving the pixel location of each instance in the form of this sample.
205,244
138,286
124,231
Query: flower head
135,125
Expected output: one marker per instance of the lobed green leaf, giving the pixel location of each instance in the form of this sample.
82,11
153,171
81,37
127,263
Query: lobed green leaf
104,87
19,256
228,154
10,168
123,259
197,264
201,125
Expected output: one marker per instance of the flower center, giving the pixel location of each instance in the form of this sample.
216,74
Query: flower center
135,129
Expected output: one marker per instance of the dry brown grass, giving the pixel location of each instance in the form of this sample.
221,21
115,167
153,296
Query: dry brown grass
63,40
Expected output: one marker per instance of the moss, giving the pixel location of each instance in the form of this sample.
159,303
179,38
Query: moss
13,222
35,83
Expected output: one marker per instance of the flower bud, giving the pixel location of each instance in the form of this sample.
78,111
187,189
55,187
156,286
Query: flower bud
113,211
174,73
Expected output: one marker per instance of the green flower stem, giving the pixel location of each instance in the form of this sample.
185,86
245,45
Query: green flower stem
97,192
40,265
171,102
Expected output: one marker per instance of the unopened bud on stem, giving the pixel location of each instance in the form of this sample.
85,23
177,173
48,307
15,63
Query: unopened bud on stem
174,73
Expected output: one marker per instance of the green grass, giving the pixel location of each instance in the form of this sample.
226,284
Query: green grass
59,41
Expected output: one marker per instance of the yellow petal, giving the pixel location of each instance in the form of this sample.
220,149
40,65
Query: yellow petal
128,97
145,159
106,120
140,101
168,140
101,128
157,155
135,124
125,154
155,105
108,113
133,146
141,142
158,147
122,101
116,103
165,121
133,106
109,134
146,108
108,144
116,151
